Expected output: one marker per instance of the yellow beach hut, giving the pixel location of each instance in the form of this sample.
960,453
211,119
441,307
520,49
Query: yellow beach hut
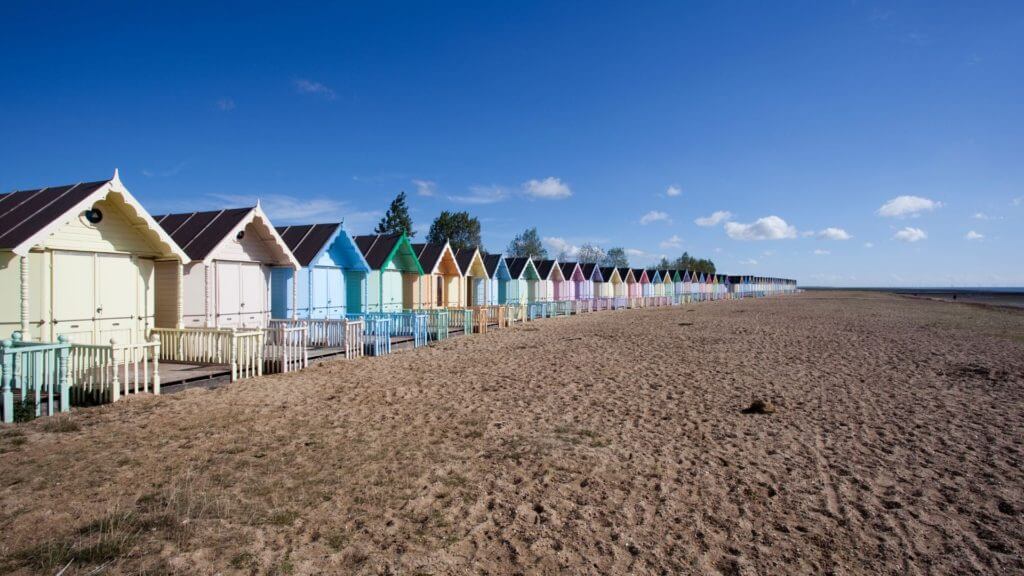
471,263
441,285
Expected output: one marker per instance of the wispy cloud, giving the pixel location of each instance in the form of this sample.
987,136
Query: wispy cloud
1018,201
674,242
673,191
869,244
983,216
286,209
482,195
972,235
749,262
307,86
910,234
831,233
225,104
714,219
767,228
820,252
425,187
173,171
550,188
903,206
559,246
654,216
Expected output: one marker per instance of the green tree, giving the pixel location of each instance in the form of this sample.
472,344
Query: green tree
616,257
458,228
527,244
664,264
397,219
687,262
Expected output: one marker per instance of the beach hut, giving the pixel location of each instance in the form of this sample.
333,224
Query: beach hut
80,261
442,284
227,284
657,286
524,280
593,280
572,285
393,282
643,282
497,272
331,281
471,263
668,283
550,275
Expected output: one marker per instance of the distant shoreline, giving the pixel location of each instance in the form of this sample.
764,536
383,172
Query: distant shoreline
1001,297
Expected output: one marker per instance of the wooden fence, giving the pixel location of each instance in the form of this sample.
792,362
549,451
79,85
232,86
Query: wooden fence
35,373
241,350
286,346
103,373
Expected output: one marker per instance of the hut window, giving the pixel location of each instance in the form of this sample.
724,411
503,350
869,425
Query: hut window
94,215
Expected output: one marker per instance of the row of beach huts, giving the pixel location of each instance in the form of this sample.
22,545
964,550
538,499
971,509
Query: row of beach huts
102,299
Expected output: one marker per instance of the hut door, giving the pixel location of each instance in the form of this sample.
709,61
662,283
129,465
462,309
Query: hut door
229,293
253,295
354,292
320,295
478,291
471,299
74,296
117,280
440,291
335,293
502,291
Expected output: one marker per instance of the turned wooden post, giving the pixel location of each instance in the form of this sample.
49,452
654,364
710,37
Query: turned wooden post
155,339
6,369
62,373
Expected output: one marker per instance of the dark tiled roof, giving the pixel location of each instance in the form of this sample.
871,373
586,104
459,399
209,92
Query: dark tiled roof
306,240
623,272
544,268
491,263
516,266
464,257
198,233
376,248
607,272
429,255
567,269
25,212
588,270
638,273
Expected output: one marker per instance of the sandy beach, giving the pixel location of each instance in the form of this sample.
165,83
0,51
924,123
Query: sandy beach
612,443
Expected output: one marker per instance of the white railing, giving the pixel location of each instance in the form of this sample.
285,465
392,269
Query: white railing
241,350
286,346
103,373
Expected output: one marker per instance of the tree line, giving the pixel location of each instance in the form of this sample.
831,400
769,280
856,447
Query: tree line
462,231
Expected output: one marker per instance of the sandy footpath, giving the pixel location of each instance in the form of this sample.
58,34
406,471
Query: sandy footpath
603,444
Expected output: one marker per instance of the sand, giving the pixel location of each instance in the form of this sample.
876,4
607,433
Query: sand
605,444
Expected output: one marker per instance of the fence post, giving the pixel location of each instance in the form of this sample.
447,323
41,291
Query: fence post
62,373
259,353
233,355
115,384
155,339
7,360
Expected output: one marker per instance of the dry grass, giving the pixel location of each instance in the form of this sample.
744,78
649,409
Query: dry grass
606,444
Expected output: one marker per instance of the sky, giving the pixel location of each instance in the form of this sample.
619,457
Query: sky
838,143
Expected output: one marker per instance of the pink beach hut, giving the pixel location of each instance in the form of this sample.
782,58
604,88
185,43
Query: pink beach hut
571,287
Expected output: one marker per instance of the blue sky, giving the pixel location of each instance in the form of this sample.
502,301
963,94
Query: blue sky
840,143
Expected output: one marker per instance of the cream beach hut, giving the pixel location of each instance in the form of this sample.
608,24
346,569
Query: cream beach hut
550,275
613,286
79,261
477,288
227,284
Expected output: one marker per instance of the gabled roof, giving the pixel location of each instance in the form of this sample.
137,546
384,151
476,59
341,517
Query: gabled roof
517,266
431,254
201,233
28,217
625,273
492,262
641,275
380,249
308,241
652,274
569,269
545,267
464,258
592,270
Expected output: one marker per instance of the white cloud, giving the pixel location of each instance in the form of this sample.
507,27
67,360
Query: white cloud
425,187
972,235
673,242
673,191
768,253
833,234
654,216
306,86
225,104
558,246
901,206
750,262
869,245
482,195
173,171
909,234
549,188
714,220
634,252
767,228
983,216
820,252
285,209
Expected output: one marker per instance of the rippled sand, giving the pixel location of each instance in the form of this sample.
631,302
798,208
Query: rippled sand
605,444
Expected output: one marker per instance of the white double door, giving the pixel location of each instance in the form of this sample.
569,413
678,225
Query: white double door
95,297
241,295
